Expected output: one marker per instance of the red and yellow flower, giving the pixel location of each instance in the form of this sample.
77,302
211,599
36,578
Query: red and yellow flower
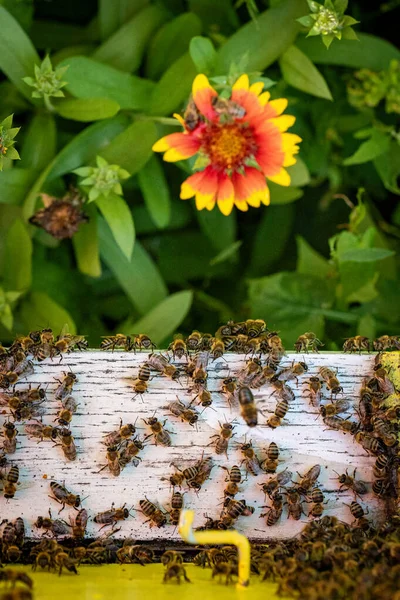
242,142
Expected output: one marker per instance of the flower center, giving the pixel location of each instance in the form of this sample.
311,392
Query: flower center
228,145
327,21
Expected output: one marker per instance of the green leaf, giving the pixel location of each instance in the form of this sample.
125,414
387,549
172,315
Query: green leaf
38,310
119,218
367,326
131,149
174,87
114,14
163,320
17,53
81,150
263,40
388,166
299,174
86,245
88,78
275,225
139,278
282,194
310,262
299,72
40,142
227,253
203,54
155,190
361,255
291,303
125,48
370,52
15,185
377,144
17,270
220,230
87,109
170,42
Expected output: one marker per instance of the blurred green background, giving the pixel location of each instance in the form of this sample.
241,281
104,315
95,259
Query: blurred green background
323,257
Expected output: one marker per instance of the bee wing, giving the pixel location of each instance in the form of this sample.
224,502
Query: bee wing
4,398
70,404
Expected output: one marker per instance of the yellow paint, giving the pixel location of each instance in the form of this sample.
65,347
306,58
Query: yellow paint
391,362
127,582
218,537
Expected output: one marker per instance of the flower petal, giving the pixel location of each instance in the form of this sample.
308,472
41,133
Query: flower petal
241,205
279,105
179,118
251,187
284,122
177,146
225,195
282,178
264,98
242,83
257,88
203,185
203,93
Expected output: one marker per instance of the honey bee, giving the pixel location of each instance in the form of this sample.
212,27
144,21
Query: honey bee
248,409
390,414
67,443
63,496
295,508
65,388
384,431
161,435
314,387
79,525
381,376
356,344
276,349
112,342
381,466
155,515
233,480
176,479
192,116
160,363
65,414
229,386
12,576
293,372
250,459
335,408
357,510
204,396
112,516
51,526
349,482
270,464
63,561
175,571
308,480
387,342
283,391
217,348
129,450
281,409
179,409
113,461
142,342
178,347
222,441
45,348
227,569
176,507
340,424
275,483
267,373
194,340
317,498
66,342
332,382
252,368
119,435
227,110
202,470
10,437
307,342
43,432
369,443
273,515
233,509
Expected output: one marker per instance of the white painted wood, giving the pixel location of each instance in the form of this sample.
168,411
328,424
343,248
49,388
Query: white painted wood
104,393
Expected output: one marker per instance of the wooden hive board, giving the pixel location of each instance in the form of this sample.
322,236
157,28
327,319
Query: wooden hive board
104,393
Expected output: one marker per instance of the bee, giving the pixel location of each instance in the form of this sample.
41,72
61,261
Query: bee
179,409
10,437
202,470
226,569
13,577
51,526
178,347
217,348
112,516
260,379
63,496
349,482
255,327
383,430
227,110
142,341
233,509
63,561
314,387
276,349
270,464
308,480
280,412
295,508
381,375
233,480
335,408
176,507
229,386
332,382
340,424
66,342
248,409
45,348
357,510
275,511
307,342
112,342
387,342
275,483
192,115
43,432
382,488
222,441
283,391
176,479
154,514
390,414
79,525
129,451
250,459
140,386
369,443
382,466
161,435
204,396
19,528
175,571
119,435
356,344
293,372
113,461
67,443
65,414
8,379
317,498
194,340
65,388
160,363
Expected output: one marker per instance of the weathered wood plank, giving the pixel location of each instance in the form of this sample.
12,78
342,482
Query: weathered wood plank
104,393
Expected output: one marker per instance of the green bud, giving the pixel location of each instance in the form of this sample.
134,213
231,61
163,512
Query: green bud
328,21
103,179
47,81
7,135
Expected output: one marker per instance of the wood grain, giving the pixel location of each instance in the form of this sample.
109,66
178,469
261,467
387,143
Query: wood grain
104,393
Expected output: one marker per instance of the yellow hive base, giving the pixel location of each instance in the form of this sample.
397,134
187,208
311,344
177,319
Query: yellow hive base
123,582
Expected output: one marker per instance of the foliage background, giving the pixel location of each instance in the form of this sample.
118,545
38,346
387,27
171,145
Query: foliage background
308,262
